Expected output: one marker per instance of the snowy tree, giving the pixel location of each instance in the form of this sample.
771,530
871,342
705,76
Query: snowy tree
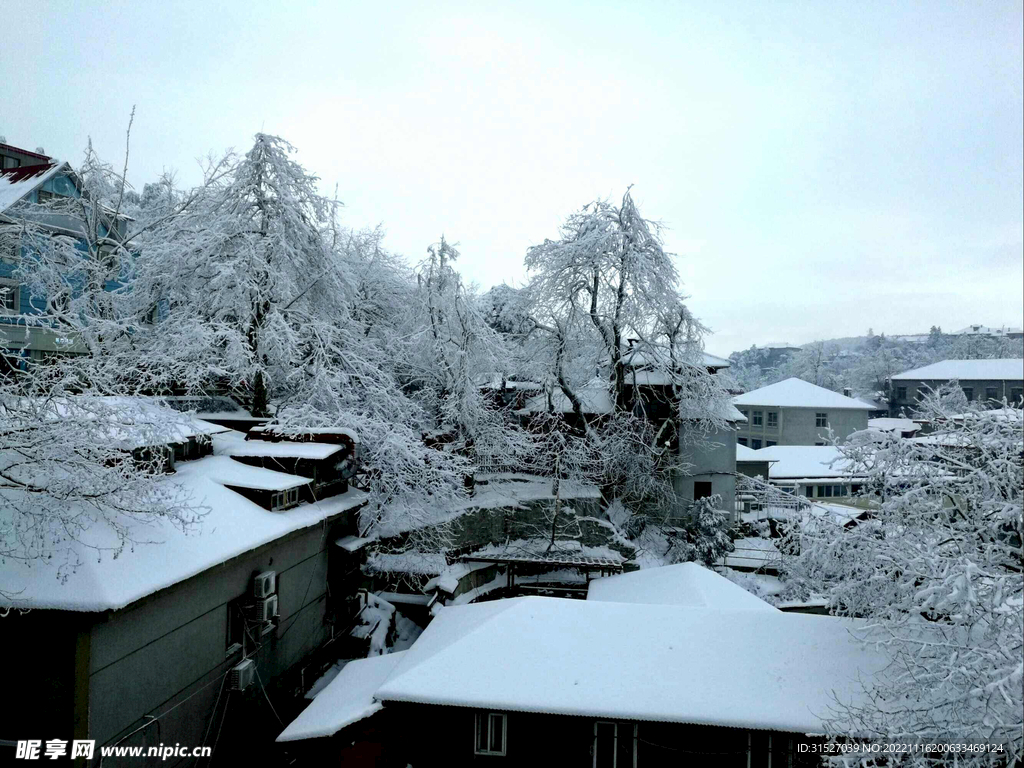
79,466
605,302
938,568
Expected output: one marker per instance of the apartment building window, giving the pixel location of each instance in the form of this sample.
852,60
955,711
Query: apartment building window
701,490
969,393
755,443
821,419
770,443
491,730
901,393
10,297
758,418
773,419
741,440
1016,395
991,393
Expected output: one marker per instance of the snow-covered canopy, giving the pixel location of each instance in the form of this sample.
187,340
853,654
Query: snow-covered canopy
165,555
685,584
804,461
1000,369
797,393
746,669
347,699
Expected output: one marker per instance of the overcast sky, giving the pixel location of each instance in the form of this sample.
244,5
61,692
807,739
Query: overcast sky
823,168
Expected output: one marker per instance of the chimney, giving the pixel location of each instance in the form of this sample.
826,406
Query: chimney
847,391
40,151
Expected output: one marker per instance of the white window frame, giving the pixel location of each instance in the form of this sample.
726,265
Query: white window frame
14,291
615,743
482,749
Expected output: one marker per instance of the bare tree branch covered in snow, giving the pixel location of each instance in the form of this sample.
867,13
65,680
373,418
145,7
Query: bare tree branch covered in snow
938,565
623,351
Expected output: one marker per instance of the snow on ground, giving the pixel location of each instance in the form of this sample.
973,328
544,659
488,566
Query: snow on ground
346,699
375,624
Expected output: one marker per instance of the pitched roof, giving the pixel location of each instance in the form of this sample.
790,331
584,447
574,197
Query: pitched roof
165,555
638,662
15,183
347,699
685,584
797,393
1006,369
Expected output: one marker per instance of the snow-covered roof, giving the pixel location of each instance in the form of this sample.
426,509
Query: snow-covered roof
15,183
797,393
748,669
984,330
745,453
227,471
687,584
999,369
893,425
594,399
285,449
347,699
165,555
641,357
803,461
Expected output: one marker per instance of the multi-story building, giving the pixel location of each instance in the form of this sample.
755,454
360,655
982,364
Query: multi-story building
796,412
28,182
985,381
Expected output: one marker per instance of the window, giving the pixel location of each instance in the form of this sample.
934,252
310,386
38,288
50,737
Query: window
901,393
44,196
701,490
758,420
773,419
11,162
10,297
490,733
991,393
755,443
745,414
741,440
921,392
821,419
236,626
284,499
770,443
819,443
1016,395
614,745
825,490
969,393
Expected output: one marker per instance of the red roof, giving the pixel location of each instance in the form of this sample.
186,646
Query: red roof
24,172
42,158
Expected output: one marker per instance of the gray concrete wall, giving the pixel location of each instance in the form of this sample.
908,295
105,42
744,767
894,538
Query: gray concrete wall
916,389
713,462
165,655
797,426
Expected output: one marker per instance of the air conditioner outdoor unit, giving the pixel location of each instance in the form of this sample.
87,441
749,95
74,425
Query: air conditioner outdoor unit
266,609
264,584
242,675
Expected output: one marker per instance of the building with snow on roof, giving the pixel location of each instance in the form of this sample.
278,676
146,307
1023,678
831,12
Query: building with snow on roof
985,381
796,412
32,189
657,667
187,627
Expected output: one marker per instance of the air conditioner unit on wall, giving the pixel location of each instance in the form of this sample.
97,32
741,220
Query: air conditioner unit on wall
266,609
264,584
242,675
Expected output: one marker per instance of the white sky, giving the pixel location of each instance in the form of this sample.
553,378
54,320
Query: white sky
823,167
